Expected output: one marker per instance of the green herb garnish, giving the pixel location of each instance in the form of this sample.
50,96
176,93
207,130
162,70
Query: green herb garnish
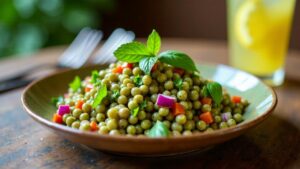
154,42
159,130
135,111
56,100
132,52
102,93
178,59
144,104
215,91
147,56
205,91
75,84
115,94
147,63
94,76
178,83
138,80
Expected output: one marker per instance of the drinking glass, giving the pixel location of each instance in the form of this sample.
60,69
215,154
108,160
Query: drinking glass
258,33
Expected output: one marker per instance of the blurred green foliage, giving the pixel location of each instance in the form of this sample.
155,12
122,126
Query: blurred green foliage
27,25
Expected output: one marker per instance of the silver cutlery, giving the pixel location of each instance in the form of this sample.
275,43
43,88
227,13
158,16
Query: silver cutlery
117,38
77,54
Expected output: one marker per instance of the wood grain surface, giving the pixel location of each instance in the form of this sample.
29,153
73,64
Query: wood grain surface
273,144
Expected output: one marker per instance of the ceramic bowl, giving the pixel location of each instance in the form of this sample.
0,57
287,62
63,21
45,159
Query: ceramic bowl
36,101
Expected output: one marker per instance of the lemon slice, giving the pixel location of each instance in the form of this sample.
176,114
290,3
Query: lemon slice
249,23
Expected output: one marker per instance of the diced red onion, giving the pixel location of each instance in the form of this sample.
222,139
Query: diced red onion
165,101
63,109
226,116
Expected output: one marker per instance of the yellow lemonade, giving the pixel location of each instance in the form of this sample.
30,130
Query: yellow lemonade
259,34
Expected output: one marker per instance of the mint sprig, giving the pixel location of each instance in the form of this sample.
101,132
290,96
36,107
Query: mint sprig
132,52
154,42
177,59
148,55
147,63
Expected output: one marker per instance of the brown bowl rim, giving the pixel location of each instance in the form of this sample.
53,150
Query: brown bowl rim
205,135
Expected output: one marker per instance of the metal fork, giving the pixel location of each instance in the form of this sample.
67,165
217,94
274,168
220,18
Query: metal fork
103,56
117,38
75,56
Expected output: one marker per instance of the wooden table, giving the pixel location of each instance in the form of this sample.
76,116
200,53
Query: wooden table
273,144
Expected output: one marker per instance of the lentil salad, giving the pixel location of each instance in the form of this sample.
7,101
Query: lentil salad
147,94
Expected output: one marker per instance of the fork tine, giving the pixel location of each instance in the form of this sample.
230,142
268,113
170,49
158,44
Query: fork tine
109,57
105,55
80,51
130,38
115,34
87,50
74,51
74,44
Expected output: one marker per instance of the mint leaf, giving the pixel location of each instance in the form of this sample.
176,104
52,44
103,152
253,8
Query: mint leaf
154,42
75,84
138,80
178,83
132,52
205,91
135,111
147,63
102,92
216,92
55,100
94,76
178,59
158,130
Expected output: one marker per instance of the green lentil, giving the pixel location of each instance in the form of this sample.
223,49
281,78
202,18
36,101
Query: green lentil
201,125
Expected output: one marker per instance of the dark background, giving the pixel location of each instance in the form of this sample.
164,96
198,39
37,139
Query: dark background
28,25
177,18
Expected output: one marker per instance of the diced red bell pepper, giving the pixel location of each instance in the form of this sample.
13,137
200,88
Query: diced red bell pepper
87,89
178,109
206,117
236,99
118,69
79,104
57,118
128,65
154,68
94,126
179,71
206,100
